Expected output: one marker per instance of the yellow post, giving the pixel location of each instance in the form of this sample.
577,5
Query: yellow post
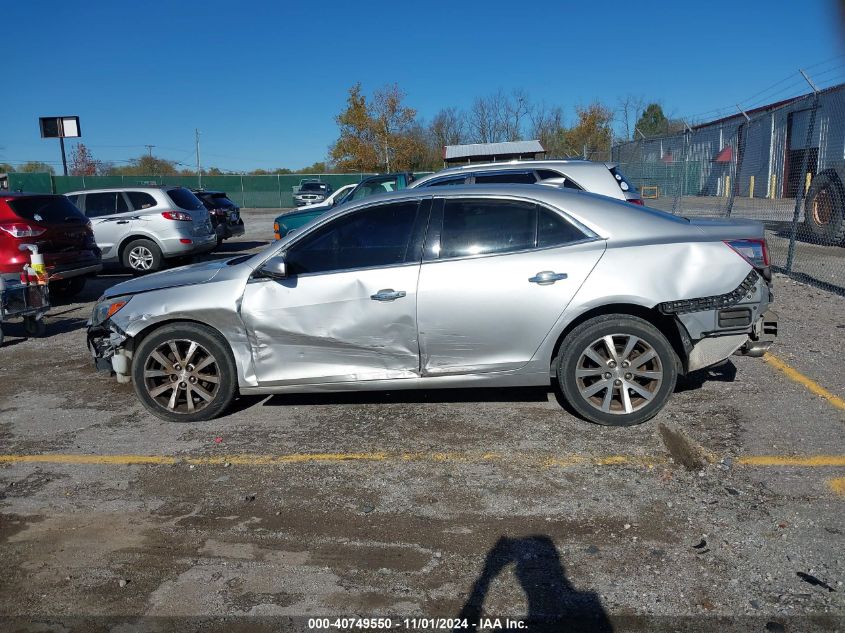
751,187
807,181
773,181
727,186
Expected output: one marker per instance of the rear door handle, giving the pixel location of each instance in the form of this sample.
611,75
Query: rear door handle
122,222
388,294
547,277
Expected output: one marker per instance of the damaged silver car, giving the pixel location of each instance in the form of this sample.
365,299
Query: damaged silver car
465,286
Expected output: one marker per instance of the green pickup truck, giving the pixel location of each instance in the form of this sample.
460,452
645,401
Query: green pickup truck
382,183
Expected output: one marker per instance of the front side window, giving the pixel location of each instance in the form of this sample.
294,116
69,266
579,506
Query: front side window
447,182
107,203
478,227
377,236
507,177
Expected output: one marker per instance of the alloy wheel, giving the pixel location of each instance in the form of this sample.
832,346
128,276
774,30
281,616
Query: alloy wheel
141,258
619,374
182,376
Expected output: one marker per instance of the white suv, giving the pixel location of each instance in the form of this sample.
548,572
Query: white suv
141,227
601,178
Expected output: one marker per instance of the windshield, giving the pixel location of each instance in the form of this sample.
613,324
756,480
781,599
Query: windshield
314,186
373,187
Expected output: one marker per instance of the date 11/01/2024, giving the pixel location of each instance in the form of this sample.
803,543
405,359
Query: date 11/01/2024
488,624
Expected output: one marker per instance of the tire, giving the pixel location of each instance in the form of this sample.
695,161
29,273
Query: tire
824,210
193,398
142,256
67,288
585,363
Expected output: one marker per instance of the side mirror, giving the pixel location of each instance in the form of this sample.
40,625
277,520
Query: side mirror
275,267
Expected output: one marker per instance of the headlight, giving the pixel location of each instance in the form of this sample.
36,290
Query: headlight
106,309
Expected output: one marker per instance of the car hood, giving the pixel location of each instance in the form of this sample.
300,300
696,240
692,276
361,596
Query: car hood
183,276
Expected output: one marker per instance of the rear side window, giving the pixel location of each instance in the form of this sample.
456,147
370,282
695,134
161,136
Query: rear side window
478,227
46,209
105,203
511,177
141,200
184,199
554,230
558,179
378,236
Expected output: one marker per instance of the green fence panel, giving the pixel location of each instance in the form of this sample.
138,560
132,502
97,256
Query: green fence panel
270,191
36,183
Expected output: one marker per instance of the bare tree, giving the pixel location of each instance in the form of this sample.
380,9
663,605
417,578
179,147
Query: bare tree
628,110
448,127
515,108
547,126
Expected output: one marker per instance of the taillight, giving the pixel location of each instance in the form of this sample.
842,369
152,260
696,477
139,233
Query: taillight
637,201
755,252
18,230
181,216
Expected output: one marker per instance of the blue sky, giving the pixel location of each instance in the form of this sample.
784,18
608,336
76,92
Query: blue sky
264,81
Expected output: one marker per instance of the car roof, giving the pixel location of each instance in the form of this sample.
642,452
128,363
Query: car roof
112,189
606,217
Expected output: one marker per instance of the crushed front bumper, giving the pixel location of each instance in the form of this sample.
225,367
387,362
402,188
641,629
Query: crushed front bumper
108,347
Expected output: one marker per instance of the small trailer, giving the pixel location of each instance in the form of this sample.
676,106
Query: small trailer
29,302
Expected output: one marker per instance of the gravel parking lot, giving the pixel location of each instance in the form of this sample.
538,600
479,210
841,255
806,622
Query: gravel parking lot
424,504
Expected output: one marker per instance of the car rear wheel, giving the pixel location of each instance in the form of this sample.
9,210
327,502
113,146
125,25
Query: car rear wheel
142,256
824,210
67,288
184,372
617,370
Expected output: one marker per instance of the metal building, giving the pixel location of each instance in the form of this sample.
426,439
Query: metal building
758,155
491,152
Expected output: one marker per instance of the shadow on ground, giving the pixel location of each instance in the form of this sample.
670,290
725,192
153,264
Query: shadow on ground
553,603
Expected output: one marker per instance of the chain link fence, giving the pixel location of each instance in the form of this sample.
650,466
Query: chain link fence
782,164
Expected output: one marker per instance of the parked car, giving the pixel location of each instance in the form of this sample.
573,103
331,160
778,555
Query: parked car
492,286
225,214
383,183
311,193
603,178
61,232
143,227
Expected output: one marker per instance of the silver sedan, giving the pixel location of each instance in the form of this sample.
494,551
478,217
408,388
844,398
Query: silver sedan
493,286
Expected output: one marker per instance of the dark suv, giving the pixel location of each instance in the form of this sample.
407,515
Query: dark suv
61,232
225,214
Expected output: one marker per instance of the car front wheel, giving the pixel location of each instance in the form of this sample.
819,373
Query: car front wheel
184,372
617,370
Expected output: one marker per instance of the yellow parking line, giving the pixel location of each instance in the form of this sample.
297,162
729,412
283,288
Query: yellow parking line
806,461
548,461
837,485
811,385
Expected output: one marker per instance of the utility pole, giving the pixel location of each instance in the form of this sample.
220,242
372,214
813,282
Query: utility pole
149,150
64,159
199,165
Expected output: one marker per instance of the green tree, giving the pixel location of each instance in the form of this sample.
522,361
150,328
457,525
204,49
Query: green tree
146,165
652,121
34,167
6,168
319,167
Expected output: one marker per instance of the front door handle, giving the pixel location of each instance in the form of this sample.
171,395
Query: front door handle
388,294
122,222
547,277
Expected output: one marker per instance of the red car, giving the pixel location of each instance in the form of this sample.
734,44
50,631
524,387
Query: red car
61,232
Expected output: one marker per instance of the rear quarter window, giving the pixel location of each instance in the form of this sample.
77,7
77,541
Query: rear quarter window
46,209
184,199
